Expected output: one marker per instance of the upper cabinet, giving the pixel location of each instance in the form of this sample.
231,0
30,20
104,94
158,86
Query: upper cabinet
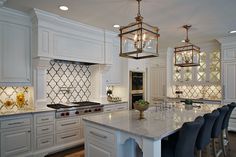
207,73
113,73
55,37
228,71
15,49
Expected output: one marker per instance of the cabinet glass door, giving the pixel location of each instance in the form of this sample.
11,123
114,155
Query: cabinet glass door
188,74
215,67
201,70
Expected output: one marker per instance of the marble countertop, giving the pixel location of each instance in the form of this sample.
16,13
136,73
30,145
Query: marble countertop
158,123
200,100
26,111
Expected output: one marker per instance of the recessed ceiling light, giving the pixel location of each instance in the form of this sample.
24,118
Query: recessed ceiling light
63,7
116,26
232,32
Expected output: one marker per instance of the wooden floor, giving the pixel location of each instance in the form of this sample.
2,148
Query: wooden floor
79,151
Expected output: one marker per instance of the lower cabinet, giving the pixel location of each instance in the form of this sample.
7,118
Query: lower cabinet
15,142
100,142
97,150
16,136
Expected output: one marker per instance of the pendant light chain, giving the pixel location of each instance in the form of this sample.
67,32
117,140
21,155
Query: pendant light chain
139,8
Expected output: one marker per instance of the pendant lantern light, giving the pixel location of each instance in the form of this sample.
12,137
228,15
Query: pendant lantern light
139,40
187,55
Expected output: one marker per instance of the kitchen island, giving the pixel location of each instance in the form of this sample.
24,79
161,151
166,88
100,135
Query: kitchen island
122,134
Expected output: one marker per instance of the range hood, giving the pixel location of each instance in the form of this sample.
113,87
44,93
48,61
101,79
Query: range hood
73,62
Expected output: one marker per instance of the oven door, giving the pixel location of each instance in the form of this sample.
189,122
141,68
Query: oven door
136,97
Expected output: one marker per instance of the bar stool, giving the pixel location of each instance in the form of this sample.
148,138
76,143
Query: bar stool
204,135
224,133
185,143
216,130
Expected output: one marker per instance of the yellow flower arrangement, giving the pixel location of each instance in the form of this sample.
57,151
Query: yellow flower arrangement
20,99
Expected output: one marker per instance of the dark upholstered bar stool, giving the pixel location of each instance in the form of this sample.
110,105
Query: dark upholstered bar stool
184,144
204,135
224,133
216,130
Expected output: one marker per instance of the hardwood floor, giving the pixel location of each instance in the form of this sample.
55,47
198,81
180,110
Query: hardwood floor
79,151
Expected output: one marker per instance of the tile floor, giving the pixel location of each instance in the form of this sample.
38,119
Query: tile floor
79,151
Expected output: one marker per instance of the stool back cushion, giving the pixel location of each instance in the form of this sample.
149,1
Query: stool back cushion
216,130
204,135
187,138
227,116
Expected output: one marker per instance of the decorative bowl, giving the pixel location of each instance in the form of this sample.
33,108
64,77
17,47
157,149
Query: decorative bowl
141,106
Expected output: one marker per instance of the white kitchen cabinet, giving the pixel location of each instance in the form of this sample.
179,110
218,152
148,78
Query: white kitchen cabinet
15,54
157,82
95,149
208,73
16,136
115,107
99,142
228,74
229,82
113,75
44,130
17,142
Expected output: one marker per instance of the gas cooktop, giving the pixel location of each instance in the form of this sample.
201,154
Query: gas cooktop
76,108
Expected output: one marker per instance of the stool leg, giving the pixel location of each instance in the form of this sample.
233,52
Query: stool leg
222,143
214,147
199,153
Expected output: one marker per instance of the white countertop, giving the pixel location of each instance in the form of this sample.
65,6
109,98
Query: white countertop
157,125
26,111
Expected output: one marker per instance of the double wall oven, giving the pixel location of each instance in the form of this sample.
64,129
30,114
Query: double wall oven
137,88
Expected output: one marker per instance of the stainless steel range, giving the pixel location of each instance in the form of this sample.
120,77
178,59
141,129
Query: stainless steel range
76,108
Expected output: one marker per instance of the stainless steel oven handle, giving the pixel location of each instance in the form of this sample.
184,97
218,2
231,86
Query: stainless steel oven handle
97,134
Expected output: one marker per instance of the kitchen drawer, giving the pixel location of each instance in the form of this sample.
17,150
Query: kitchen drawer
101,135
120,107
109,109
15,122
42,130
45,118
68,137
67,124
45,142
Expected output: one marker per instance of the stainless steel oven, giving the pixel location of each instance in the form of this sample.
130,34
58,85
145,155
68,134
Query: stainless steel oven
137,87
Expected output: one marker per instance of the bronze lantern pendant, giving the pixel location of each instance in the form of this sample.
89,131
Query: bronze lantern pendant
139,40
187,55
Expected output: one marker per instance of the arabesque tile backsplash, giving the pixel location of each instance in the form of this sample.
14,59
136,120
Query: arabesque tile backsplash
9,101
211,92
68,82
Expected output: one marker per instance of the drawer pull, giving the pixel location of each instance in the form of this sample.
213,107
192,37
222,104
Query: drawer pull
96,134
16,123
44,119
68,136
43,142
46,129
68,124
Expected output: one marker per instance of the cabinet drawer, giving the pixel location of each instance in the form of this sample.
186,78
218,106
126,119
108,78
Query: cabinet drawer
68,124
108,109
15,122
49,118
45,142
101,135
47,129
67,137
120,107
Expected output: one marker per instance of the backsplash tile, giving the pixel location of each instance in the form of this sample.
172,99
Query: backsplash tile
10,93
68,82
212,92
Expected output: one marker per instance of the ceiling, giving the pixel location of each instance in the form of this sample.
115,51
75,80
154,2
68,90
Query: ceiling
211,19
